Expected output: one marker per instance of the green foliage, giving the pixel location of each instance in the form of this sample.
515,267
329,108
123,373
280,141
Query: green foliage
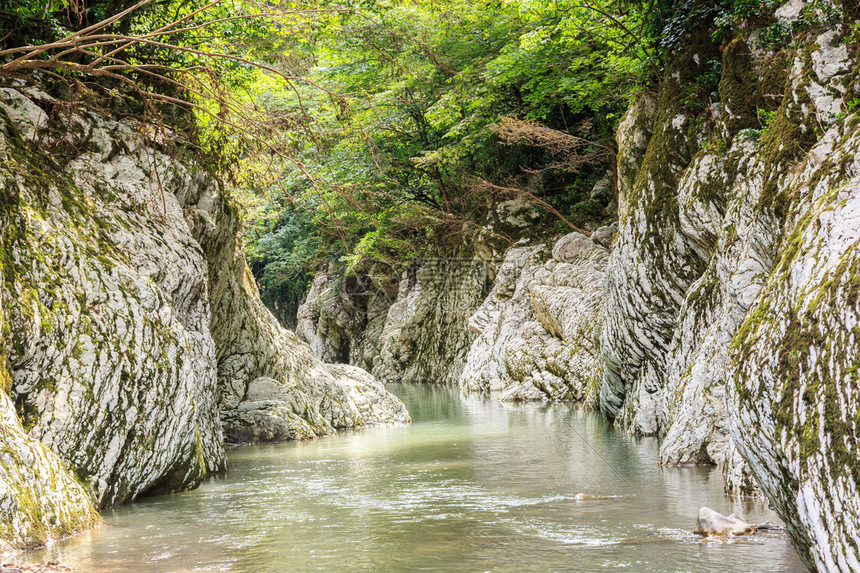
716,145
389,171
766,118
686,16
775,35
850,106
181,64
279,255
380,145
37,21
853,35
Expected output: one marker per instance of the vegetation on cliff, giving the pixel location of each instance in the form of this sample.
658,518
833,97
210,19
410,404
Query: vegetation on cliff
378,131
381,127
374,131
448,107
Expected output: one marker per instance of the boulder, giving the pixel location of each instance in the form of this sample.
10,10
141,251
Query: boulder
710,522
572,247
603,236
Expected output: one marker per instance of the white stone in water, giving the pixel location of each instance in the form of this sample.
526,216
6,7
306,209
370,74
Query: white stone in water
710,522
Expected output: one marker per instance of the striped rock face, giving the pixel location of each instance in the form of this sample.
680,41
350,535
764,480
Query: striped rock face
794,382
730,325
133,337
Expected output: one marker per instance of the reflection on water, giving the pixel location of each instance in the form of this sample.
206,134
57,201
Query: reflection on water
471,485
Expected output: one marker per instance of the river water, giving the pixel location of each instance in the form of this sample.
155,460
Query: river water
470,485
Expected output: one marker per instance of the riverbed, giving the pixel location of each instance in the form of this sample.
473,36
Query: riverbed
471,485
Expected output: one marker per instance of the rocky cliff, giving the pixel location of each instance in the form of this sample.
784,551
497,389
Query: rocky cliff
407,328
731,318
723,316
133,337
537,329
532,336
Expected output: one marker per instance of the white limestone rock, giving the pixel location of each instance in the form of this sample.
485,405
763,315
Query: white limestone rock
537,328
40,499
135,329
501,317
272,385
650,267
572,247
710,522
793,394
731,321
329,319
424,337
697,424
111,355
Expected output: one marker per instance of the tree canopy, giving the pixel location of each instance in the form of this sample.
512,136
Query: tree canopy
376,130
442,108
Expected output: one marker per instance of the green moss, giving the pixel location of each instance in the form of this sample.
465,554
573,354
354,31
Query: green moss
813,368
738,87
705,296
744,340
35,518
774,77
788,137
654,196
5,371
807,332
198,451
748,87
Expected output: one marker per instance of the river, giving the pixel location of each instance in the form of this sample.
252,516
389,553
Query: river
470,485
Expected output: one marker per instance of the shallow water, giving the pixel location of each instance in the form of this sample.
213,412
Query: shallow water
471,485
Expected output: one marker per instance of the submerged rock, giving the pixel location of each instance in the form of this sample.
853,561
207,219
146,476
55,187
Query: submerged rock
46,567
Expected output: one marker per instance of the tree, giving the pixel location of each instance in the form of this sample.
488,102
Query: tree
412,158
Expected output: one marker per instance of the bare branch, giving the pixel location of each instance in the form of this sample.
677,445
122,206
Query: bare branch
487,187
